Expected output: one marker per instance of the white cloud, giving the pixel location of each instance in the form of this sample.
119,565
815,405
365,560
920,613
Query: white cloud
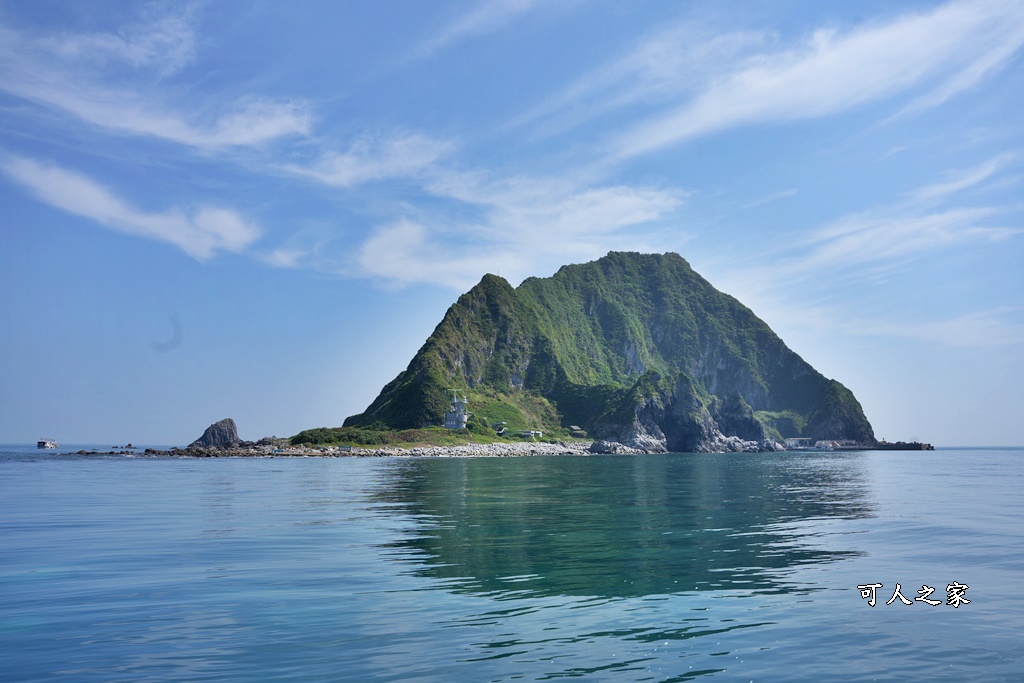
892,151
984,329
165,43
921,222
488,16
962,180
199,233
285,257
251,121
405,253
989,61
948,49
664,65
868,246
376,158
979,329
883,236
555,209
72,72
774,197
525,226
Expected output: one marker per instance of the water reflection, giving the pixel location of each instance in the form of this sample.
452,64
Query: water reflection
621,526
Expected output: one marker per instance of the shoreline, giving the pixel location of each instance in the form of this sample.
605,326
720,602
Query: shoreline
467,450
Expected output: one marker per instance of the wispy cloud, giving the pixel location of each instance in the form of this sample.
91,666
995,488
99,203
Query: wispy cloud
869,246
164,43
73,73
947,50
989,60
200,233
668,63
555,208
979,329
960,180
892,151
376,158
923,220
774,197
525,225
284,257
984,329
406,252
882,236
486,17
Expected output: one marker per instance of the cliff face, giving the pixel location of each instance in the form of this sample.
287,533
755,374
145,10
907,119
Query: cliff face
638,349
222,434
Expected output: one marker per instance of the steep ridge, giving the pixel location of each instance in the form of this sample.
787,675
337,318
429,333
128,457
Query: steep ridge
638,349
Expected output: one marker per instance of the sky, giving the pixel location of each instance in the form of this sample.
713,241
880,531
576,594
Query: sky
260,210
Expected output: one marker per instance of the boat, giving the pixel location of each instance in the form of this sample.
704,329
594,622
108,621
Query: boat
46,443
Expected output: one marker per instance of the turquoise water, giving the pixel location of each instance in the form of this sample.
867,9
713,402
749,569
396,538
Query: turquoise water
649,568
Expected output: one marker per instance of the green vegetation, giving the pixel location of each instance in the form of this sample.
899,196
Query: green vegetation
593,345
783,423
370,437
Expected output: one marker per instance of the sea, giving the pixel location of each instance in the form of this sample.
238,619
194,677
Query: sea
735,567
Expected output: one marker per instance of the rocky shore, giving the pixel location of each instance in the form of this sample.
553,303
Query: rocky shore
503,449
258,449
220,440
265,448
720,444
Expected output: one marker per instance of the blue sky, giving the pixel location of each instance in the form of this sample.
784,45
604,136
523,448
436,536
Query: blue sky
261,209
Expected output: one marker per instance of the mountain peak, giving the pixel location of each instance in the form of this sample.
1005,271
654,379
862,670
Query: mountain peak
637,348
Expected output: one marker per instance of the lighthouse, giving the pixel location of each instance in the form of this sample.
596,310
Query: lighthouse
456,416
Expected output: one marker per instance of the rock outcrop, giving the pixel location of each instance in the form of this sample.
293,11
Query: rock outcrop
664,416
223,434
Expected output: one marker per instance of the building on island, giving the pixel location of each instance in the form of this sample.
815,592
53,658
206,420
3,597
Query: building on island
457,416
809,444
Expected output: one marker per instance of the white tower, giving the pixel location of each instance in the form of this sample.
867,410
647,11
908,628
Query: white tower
456,417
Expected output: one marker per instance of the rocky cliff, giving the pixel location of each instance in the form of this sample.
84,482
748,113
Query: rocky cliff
638,349
223,434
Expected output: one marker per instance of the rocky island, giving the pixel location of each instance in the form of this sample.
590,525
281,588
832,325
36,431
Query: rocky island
636,351
631,353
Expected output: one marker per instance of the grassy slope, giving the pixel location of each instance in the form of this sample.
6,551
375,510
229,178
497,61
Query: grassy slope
404,438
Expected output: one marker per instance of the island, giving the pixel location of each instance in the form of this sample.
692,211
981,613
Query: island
628,354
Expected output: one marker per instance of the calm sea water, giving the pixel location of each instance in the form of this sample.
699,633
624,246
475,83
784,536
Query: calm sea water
650,568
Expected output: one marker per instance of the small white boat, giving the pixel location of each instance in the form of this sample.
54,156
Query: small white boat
46,443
